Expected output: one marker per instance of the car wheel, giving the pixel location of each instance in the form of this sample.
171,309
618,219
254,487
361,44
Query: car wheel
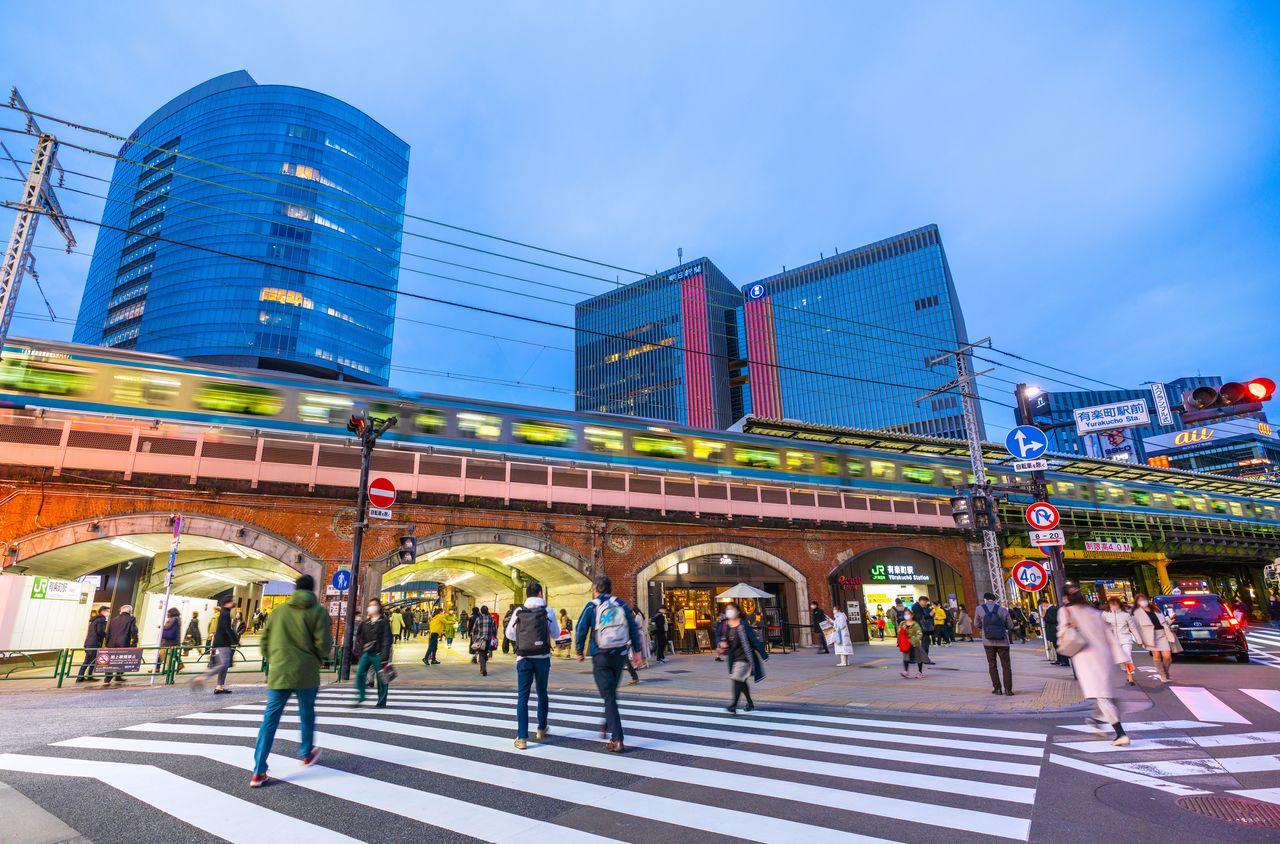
1243,656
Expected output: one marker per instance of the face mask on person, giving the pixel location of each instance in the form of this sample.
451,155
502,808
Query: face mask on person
731,613
1144,604
373,609
1114,607
907,617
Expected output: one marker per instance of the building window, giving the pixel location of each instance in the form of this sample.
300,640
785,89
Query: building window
285,297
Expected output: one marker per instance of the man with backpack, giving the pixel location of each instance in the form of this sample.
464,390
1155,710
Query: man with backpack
995,623
533,629
613,630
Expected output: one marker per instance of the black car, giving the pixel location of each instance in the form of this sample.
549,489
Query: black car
1205,625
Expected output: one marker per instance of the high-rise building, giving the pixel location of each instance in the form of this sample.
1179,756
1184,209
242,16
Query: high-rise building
253,225
847,340
660,348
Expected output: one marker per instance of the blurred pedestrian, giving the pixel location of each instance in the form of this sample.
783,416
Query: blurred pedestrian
435,631
1124,629
612,629
816,617
122,632
745,654
911,644
843,644
996,625
193,639
396,620
373,644
94,638
506,619
295,641
532,630
922,612
661,632
1095,663
170,635
1156,636
964,625
450,627
483,634
223,642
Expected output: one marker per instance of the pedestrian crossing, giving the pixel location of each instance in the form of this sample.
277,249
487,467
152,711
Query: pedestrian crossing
1263,638
444,760
1224,747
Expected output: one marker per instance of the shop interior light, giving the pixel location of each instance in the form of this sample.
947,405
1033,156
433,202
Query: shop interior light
121,542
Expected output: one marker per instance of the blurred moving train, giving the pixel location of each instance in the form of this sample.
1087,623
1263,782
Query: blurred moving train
88,379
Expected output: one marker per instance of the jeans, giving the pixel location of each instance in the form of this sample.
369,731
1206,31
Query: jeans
90,661
221,662
531,671
606,668
1001,652
370,659
276,700
432,643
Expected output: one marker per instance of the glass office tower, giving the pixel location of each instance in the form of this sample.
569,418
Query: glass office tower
846,341
253,225
660,348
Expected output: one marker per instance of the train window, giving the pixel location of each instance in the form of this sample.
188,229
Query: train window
46,379
918,474
1141,499
543,433
800,461
953,477
757,457
708,451
653,445
830,466
1181,501
479,426
604,440
1201,503
1086,492
1270,512
884,470
1159,499
428,420
239,398
1116,495
324,410
1236,509
1064,488
147,390
856,467
1218,507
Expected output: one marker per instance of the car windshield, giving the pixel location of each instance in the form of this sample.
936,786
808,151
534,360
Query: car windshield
1206,609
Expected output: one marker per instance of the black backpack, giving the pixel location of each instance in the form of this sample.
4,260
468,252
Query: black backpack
994,623
531,632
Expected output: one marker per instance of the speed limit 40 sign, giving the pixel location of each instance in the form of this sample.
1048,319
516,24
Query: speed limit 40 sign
1030,575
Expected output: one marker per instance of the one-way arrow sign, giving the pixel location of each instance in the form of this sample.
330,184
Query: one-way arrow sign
1026,442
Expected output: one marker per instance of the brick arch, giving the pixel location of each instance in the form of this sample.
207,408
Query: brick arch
690,552
194,524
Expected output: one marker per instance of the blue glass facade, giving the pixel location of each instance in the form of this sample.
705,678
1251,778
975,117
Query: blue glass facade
305,185
660,348
846,341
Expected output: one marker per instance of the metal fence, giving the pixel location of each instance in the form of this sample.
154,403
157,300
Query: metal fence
165,664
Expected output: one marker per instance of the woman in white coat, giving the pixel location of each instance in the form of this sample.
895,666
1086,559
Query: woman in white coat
843,644
1155,634
1095,664
1121,624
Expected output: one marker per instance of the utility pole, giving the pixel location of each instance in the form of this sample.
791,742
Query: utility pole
963,382
1040,491
368,429
38,200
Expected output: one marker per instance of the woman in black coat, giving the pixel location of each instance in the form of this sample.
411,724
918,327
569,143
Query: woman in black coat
744,653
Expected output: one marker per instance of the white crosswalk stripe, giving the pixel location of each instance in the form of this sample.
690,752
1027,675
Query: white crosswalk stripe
775,777
1206,706
1263,638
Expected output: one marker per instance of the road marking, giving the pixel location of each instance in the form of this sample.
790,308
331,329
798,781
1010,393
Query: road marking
742,724
204,808
1144,726
1135,744
1268,795
864,803
1206,706
760,714
460,816
1176,789
1237,739
1267,697
1174,768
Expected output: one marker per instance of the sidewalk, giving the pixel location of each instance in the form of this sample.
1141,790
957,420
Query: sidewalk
959,682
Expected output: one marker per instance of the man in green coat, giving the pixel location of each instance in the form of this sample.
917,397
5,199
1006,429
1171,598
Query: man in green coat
295,641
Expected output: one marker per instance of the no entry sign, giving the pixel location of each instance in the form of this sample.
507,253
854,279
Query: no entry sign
382,493
1030,575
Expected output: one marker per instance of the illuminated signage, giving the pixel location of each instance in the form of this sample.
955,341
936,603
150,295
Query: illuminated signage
756,291
1198,435
897,573
685,273
1265,429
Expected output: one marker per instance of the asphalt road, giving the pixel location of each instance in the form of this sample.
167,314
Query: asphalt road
142,765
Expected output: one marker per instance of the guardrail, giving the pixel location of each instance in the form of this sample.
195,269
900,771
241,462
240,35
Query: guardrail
166,663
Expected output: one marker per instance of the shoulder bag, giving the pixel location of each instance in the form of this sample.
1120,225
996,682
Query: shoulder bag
1070,640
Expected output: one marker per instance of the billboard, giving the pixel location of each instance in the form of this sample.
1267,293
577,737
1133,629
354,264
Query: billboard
1105,417
1211,433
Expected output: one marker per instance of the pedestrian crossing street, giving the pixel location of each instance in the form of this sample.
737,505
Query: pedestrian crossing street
1264,645
443,761
1222,747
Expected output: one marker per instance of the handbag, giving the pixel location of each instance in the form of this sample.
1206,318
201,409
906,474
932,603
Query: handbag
1070,639
389,673
1175,646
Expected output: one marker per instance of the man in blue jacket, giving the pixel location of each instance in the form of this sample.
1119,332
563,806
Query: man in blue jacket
612,628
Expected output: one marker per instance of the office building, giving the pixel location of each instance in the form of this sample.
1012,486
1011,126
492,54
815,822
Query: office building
1240,447
253,225
660,348
846,341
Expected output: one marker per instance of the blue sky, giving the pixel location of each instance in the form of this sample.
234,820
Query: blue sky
1106,177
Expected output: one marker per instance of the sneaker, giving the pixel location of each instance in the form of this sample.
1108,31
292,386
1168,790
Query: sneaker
258,781
380,705
1121,741
541,735
222,691
1095,727
748,707
310,758
905,674
731,710
633,681
521,744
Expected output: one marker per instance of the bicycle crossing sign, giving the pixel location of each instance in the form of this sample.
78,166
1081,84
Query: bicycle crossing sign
1030,575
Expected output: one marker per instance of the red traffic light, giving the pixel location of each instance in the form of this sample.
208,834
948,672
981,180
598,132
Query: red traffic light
1260,389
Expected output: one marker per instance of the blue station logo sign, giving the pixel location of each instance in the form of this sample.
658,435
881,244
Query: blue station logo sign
756,291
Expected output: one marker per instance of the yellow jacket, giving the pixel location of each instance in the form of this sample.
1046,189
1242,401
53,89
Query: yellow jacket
939,615
438,624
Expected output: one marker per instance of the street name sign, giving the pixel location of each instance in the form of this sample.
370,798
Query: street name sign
1108,417
1030,575
1026,442
1043,515
379,513
1031,465
1041,538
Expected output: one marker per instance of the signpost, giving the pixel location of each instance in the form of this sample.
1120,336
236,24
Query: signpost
1108,417
1043,538
168,588
1030,575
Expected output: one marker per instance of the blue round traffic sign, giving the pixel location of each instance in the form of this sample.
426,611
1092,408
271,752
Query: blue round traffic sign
342,580
1027,442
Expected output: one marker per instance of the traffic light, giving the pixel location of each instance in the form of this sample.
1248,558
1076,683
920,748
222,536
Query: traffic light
974,511
408,550
357,423
1231,399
